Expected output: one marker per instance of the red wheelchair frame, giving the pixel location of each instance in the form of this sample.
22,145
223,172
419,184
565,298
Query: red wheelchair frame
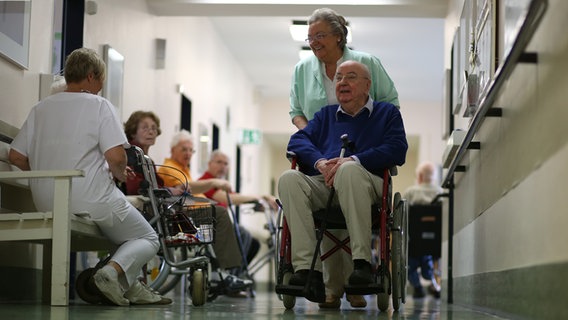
392,256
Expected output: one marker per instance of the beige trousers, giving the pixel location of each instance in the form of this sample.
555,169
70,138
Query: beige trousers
225,245
355,191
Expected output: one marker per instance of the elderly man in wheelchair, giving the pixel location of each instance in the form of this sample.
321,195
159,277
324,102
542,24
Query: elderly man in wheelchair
342,155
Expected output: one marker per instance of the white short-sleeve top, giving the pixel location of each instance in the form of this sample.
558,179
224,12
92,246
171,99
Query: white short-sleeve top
73,131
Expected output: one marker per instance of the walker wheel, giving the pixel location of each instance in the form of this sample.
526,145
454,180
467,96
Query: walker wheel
86,288
198,287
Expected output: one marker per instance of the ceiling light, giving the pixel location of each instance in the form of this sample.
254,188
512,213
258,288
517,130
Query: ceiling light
299,31
305,52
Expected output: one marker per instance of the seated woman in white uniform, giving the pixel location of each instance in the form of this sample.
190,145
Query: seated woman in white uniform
77,129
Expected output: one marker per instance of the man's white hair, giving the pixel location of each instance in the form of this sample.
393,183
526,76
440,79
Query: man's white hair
182,135
215,153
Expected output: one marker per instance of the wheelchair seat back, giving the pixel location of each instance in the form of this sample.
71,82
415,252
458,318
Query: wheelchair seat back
425,230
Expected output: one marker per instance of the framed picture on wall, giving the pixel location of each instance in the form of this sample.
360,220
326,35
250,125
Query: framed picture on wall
447,105
456,72
485,44
112,89
15,31
203,140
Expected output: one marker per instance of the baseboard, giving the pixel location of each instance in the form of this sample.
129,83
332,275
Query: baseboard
537,292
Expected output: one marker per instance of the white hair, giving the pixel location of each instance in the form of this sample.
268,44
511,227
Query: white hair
182,135
215,153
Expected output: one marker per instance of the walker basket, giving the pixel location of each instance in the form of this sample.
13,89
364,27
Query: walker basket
192,225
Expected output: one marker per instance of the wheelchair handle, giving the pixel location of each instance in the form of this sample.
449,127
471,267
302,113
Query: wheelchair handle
345,139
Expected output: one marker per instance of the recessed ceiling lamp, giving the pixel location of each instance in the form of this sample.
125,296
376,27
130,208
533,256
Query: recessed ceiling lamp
299,30
305,52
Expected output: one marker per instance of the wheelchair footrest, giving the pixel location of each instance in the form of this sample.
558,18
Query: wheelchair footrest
373,288
290,290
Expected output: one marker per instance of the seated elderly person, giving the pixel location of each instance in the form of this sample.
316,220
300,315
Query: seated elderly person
176,174
379,141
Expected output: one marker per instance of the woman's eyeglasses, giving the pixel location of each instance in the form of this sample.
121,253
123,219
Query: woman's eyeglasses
318,37
148,129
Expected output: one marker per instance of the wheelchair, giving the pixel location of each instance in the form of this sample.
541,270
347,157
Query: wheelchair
425,240
390,225
185,235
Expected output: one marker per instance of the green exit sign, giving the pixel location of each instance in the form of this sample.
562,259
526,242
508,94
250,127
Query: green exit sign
250,136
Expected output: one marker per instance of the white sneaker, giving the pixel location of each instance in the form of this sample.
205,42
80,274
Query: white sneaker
140,293
107,282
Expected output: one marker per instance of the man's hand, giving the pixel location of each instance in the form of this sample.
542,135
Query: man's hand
222,184
177,190
328,168
271,201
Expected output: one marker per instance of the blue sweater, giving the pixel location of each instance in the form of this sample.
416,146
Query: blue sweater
379,140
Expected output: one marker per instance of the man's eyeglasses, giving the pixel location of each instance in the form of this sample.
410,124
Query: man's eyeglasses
349,77
318,37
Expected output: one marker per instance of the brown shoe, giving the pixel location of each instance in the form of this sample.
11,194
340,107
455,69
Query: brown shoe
357,301
331,302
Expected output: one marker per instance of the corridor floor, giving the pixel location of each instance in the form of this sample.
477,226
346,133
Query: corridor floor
265,305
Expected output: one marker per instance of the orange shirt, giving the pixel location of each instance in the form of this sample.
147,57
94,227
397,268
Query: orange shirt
174,174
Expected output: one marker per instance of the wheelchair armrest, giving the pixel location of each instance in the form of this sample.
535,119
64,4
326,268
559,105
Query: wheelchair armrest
393,171
291,155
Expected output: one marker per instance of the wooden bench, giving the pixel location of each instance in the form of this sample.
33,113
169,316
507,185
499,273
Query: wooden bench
59,231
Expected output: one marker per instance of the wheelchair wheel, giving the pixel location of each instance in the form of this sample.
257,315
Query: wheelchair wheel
383,301
385,281
404,256
289,301
399,249
86,288
198,287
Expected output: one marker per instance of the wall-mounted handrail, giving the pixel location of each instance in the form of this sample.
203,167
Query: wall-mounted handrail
532,19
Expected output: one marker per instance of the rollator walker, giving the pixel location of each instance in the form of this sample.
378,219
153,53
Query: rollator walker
185,232
389,218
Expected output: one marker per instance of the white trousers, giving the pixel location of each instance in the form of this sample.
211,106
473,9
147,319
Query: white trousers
137,240
356,190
